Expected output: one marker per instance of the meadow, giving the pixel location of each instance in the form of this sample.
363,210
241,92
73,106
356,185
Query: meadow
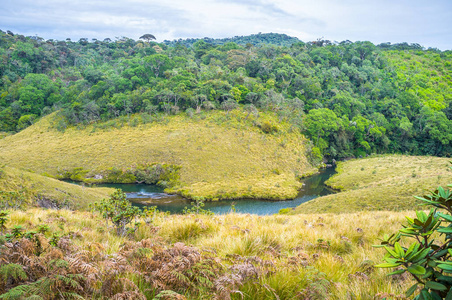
226,155
381,182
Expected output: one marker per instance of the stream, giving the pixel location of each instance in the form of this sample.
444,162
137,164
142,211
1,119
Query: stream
151,195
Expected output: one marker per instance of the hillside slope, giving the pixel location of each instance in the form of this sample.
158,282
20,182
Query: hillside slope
21,188
386,182
221,155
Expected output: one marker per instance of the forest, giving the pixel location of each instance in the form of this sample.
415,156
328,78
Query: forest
350,99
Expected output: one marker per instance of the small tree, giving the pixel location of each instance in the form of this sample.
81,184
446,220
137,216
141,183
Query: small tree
118,210
429,258
197,208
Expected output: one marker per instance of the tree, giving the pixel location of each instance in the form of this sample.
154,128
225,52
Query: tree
320,124
147,37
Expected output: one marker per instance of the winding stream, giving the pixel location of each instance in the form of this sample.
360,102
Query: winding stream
142,195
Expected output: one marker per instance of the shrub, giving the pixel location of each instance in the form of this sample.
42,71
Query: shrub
119,211
268,128
197,207
428,259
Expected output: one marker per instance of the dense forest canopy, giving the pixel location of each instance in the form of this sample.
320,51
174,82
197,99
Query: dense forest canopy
350,99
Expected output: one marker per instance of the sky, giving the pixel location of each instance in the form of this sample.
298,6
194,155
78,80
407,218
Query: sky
428,23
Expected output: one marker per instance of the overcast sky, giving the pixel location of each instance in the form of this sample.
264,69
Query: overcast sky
427,22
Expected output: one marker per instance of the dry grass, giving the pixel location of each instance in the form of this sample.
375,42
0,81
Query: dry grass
386,182
42,190
219,154
296,247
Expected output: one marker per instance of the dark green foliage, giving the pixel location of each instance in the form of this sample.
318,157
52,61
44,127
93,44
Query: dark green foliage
119,176
428,259
253,40
351,99
162,174
17,231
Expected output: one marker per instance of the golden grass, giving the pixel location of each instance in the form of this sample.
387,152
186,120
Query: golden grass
49,191
338,245
221,154
386,182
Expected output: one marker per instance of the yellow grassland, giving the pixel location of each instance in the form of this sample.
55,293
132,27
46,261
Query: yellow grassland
41,190
386,182
221,155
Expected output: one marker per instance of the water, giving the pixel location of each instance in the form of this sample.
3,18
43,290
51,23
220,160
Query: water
143,195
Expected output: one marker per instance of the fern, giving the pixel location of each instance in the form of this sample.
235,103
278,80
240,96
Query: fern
19,292
12,272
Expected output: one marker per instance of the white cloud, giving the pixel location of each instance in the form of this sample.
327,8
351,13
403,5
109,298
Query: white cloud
378,21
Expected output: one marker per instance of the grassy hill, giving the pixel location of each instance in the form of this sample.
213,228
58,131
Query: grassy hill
221,155
386,182
25,188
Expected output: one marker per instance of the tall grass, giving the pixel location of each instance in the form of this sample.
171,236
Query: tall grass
312,256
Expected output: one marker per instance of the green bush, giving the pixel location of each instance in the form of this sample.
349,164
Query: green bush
429,257
268,128
119,211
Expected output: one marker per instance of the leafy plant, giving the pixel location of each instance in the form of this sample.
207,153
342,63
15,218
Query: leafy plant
118,210
12,273
197,208
17,231
149,214
3,219
428,259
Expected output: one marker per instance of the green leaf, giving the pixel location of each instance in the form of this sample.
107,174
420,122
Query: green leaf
412,250
418,223
387,265
396,272
416,269
445,230
425,295
435,286
390,251
420,255
449,295
445,267
411,290
444,278
399,250
409,230
446,217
